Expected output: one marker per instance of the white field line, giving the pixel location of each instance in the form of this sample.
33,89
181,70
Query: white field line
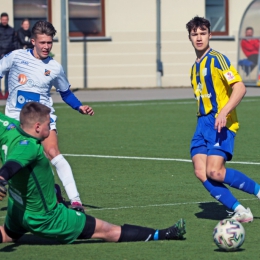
148,158
160,205
127,104
153,205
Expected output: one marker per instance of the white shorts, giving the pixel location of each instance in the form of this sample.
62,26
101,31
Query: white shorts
16,115
53,122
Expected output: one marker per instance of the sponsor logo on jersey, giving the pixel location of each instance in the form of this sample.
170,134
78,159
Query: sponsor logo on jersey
22,79
24,97
204,72
229,76
204,96
11,126
24,142
47,72
5,123
198,92
199,88
21,99
24,62
78,213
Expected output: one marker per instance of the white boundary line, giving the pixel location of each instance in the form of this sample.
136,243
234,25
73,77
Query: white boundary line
160,205
148,158
136,103
154,205
142,103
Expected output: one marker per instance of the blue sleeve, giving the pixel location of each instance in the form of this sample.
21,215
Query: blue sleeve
69,98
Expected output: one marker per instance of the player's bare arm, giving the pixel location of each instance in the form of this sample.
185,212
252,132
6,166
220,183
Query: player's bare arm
239,90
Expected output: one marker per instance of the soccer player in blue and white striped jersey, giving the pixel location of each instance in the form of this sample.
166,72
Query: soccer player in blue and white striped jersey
218,89
32,74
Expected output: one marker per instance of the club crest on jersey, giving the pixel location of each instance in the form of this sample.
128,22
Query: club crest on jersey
11,126
229,76
22,79
47,72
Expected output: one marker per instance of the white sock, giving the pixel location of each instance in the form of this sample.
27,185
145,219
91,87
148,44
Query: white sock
240,208
65,174
258,194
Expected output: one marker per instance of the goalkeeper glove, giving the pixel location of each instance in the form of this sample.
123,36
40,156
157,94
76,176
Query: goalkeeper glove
3,189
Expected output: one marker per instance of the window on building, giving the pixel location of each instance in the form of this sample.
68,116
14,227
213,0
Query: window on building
217,14
86,17
33,10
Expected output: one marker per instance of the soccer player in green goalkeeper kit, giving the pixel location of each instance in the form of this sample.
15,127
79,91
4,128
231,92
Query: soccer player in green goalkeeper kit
32,200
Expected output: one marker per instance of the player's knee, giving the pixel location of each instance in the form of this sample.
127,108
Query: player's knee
51,152
89,228
7,235
215,174
201,175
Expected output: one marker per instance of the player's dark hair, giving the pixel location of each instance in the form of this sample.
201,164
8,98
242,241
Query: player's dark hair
43,27
4,15
198,22
33,112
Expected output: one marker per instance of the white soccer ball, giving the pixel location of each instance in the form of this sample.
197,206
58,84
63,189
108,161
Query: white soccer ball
229,234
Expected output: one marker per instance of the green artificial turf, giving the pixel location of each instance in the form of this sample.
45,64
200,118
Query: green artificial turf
131,164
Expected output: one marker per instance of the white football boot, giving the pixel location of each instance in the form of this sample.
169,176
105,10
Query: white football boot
242,216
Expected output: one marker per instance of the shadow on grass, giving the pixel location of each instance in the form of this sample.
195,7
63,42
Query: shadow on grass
212,210
223,251
30,239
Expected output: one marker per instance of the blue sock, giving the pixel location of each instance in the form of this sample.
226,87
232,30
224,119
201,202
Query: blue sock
220,192
257,189
239,180
235,205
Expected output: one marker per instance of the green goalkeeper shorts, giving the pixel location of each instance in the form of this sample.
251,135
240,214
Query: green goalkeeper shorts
60,224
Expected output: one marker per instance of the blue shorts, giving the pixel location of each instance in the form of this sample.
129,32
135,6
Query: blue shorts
207,140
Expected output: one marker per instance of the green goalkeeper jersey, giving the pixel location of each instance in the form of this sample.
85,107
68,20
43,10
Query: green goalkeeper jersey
31,188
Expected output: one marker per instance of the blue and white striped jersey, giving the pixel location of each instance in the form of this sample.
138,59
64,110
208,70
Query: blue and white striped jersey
30,79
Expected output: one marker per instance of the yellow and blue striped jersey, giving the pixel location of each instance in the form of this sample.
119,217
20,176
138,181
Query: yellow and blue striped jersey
211,80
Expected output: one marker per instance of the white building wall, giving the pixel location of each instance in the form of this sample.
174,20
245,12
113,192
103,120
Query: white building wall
129,59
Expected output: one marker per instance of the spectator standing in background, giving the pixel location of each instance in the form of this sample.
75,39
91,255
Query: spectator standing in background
24,36
7,44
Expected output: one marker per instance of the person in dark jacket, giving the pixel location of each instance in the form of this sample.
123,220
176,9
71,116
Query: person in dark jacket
24,36
7,44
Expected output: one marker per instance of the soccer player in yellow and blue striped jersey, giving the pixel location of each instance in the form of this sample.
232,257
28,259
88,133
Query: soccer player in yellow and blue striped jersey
218,89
